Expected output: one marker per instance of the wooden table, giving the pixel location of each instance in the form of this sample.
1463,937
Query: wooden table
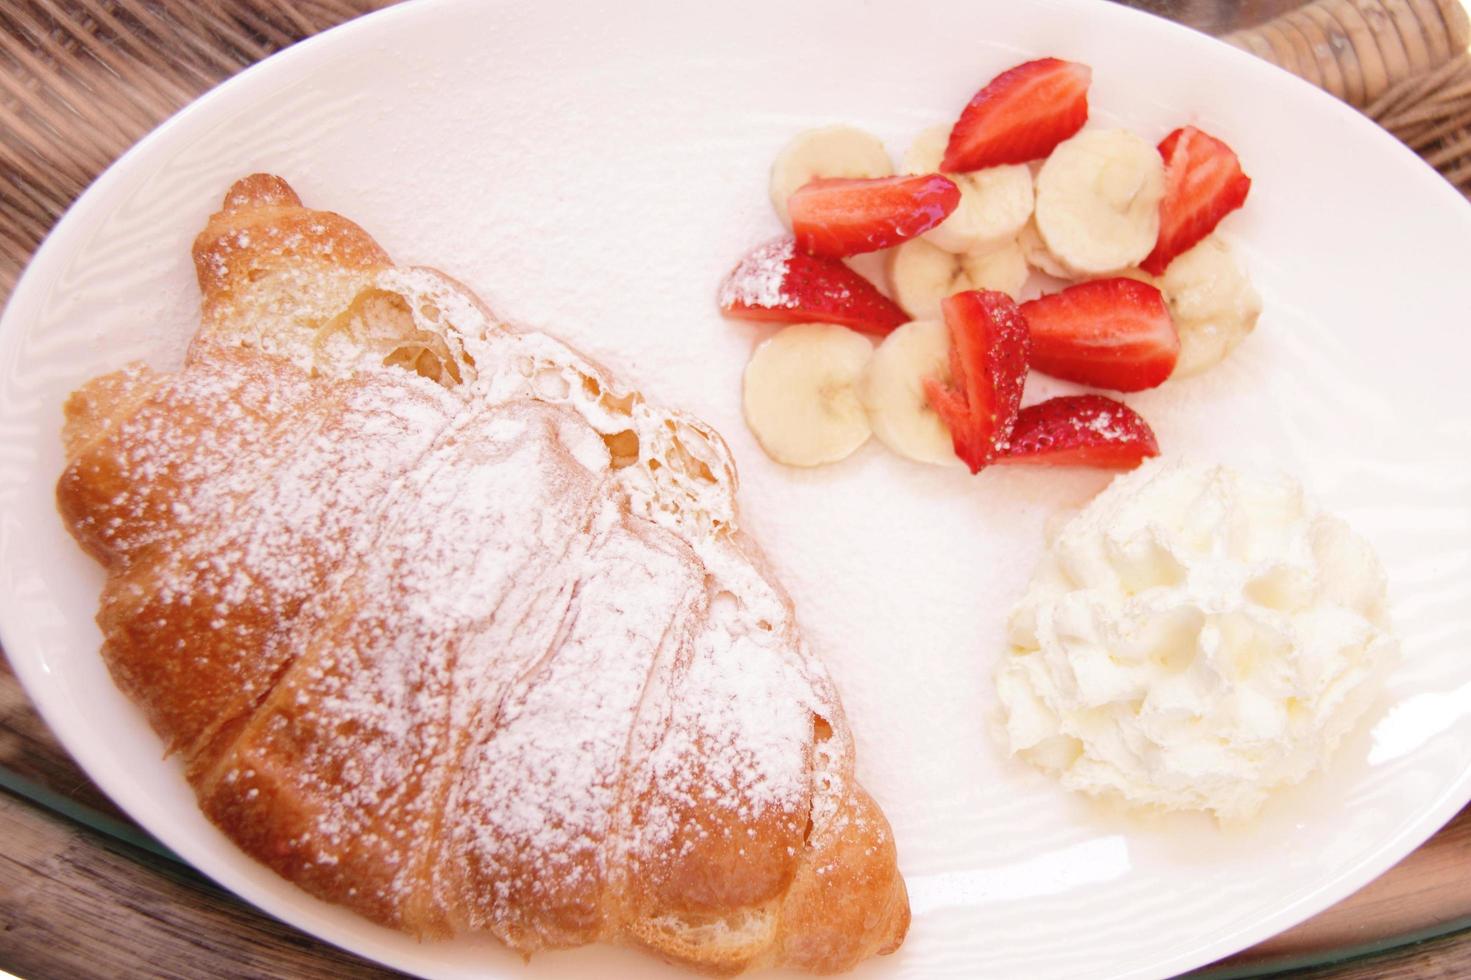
83,892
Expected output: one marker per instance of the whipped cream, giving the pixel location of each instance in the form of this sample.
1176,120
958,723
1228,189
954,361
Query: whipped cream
1195,638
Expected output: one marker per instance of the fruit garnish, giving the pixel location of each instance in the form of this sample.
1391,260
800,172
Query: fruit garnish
1020,115
1203,184
841,216
1098,200
775,282
1212,303
1109,333
1038,255
994,203
921,276
893,392
1080,430
832,151
989,347
801,393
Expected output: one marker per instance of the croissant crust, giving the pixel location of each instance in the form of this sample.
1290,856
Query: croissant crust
450,628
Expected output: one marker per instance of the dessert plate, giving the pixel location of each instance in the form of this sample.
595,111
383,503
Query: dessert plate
596,175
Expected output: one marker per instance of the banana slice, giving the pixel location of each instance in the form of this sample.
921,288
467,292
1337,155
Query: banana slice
893,392
833,151
923,275
1098,200
1034,250
801,393
994,203
1212,302
873,266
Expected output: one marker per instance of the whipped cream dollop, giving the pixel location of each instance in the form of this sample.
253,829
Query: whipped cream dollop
1194,638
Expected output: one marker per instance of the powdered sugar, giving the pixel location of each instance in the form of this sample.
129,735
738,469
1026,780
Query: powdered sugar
447,617
1104,424
448,624
758,280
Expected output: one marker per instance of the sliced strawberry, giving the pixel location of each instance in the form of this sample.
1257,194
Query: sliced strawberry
1109,333
1081,430
1020,115
1203,184
988,366
776,282
838,216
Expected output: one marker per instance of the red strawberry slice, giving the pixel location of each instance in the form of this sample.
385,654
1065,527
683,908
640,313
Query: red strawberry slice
1020,115
776,282
1109,333
1081,430
1203,184
837,217
988,366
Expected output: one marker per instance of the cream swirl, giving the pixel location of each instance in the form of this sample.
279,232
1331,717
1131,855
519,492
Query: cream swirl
1195,638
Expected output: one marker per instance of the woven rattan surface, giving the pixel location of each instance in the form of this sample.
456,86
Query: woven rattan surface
82,80
1404,62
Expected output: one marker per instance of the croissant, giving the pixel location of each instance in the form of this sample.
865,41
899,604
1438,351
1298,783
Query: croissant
448,627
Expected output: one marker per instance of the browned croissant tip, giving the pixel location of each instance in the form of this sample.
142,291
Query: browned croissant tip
259,191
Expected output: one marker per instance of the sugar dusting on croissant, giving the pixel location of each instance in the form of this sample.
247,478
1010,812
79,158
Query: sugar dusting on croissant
451,629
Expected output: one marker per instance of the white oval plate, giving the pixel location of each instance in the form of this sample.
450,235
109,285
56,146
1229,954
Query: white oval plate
596,174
